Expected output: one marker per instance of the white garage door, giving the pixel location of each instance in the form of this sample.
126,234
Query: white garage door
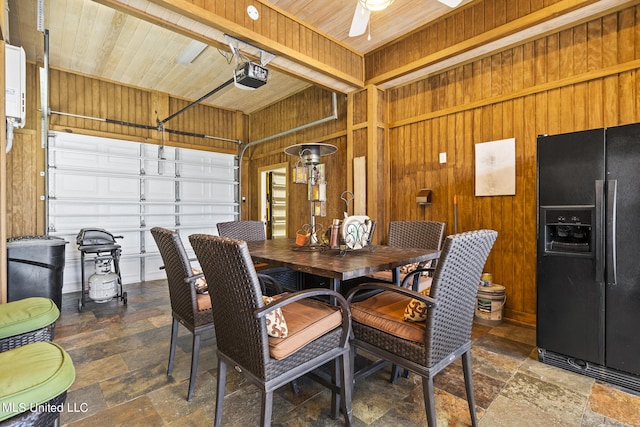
127,188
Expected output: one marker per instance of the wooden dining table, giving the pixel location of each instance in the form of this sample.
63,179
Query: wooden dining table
333,264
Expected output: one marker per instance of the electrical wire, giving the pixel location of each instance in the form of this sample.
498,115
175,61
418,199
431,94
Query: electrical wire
228,56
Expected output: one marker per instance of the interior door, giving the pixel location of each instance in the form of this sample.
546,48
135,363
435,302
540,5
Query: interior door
276,216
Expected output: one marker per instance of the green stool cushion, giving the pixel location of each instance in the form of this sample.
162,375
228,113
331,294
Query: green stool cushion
31,375
26,315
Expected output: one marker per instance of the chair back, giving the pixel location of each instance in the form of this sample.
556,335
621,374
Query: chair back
236,294
455,288
178,269
416,234
248,231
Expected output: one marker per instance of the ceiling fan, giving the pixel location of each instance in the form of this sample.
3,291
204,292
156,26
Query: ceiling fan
365,7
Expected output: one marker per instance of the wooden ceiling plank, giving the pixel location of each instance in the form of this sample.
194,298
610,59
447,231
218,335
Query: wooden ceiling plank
83,35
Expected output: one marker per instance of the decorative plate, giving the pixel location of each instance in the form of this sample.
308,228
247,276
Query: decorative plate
355,231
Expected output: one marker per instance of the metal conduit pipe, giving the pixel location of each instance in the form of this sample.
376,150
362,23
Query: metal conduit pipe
44,95
150,127
243,148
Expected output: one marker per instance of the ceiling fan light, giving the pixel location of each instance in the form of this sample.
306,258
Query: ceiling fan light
451,3
375,5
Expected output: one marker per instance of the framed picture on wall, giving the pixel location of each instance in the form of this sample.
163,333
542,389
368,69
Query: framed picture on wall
496,168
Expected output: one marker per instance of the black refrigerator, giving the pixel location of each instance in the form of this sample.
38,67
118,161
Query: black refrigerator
588,253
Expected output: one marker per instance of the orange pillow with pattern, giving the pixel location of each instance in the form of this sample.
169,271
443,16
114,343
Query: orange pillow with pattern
416,310
276,325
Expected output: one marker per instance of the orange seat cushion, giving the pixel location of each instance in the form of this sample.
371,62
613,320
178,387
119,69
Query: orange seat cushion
385,311
203,301
307,320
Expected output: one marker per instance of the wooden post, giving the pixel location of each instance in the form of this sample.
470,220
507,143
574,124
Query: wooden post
3,178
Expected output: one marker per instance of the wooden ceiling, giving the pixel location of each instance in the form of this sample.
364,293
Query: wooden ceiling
137,42
104,39
334,17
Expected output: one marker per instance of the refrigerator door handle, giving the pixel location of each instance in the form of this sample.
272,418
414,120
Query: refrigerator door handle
600,231
612,189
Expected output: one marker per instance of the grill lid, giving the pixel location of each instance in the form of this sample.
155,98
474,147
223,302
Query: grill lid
95,237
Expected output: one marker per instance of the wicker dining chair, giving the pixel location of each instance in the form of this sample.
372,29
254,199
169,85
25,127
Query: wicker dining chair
250,231
317,332
427,346
413,234
407,234
188,307
247,230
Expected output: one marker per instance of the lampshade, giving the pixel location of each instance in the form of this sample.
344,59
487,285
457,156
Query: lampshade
311,153
375,5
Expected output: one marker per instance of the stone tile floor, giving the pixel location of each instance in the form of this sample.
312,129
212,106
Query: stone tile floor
121,352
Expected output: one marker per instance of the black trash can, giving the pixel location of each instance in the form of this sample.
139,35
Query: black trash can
35,265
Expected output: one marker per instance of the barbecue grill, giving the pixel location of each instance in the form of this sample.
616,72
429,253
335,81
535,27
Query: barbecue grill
104,284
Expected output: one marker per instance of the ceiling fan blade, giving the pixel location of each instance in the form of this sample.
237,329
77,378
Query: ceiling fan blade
451,3
360,21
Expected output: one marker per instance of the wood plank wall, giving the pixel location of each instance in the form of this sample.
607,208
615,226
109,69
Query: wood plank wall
580,78
24,162
308,106
461,24
91,97
3,170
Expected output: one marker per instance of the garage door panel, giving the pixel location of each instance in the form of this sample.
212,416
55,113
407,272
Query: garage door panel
123,187
78,151
156,190
94,187
152,268
197,191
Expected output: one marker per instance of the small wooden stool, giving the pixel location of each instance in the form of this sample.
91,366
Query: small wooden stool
27,321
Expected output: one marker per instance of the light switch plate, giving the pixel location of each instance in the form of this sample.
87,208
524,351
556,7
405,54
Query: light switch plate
443,157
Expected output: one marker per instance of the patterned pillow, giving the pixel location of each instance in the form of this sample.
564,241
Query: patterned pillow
276,325
409,268
416,311
406,269
201,283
